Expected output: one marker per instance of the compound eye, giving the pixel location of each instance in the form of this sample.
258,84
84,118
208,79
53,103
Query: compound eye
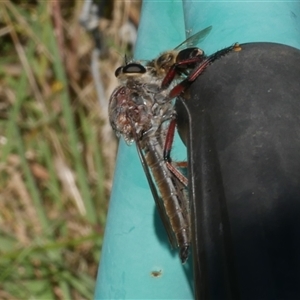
189,53
118,71
134,68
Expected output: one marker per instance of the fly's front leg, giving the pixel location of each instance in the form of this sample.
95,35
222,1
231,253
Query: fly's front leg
186,59
167,153
183,85
199,69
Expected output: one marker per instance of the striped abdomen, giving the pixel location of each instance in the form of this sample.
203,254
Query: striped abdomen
175,203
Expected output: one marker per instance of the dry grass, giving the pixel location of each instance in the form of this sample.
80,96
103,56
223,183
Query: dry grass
57,150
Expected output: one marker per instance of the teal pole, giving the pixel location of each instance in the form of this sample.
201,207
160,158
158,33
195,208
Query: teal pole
244,22
136,260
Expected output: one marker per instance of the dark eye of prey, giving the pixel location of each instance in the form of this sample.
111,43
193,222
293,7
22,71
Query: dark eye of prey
134,68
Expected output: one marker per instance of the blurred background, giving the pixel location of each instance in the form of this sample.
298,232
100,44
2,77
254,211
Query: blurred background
57,150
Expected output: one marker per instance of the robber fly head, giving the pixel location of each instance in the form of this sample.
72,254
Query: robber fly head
130,113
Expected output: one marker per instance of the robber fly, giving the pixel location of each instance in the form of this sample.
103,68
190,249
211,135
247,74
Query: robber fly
135,116
142,111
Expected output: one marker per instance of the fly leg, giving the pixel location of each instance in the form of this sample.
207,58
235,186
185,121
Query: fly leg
186,59
199,69
167,154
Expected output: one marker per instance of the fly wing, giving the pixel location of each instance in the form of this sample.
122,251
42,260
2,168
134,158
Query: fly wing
157,198
182,191
195,39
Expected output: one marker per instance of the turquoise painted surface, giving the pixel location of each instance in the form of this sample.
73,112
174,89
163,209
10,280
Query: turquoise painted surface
135,244
244,21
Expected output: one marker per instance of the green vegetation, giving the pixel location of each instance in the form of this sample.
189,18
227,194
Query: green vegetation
56,153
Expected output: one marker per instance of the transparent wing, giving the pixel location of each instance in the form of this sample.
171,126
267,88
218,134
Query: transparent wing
157,198
194,39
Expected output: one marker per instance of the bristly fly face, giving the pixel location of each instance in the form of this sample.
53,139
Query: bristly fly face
129,114
133,113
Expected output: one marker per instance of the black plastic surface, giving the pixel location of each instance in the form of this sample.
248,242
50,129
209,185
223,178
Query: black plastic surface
243,140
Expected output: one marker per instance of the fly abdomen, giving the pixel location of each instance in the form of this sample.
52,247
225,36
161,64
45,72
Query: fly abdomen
171,193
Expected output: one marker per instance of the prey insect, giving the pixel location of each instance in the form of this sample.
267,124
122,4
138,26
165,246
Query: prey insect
142,111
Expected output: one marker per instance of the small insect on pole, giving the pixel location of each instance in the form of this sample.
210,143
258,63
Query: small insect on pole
244,144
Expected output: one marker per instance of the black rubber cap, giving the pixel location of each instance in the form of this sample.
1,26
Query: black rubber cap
242,128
